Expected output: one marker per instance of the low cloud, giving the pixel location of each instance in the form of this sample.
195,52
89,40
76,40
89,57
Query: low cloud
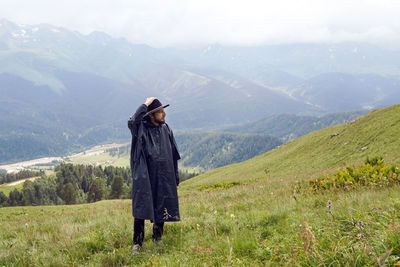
180,22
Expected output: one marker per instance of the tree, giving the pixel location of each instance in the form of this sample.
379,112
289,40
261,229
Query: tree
28,192
97,190
15,198
46,191
117,187
3,200
69,193
127,191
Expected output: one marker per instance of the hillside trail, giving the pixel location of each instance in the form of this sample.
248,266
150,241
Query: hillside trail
20,181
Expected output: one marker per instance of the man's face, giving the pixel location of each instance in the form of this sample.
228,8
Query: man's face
159,116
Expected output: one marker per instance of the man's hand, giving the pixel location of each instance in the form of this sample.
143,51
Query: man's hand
149,100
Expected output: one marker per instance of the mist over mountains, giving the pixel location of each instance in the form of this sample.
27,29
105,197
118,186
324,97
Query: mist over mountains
61,90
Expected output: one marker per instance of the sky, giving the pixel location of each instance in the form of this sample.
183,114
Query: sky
163,23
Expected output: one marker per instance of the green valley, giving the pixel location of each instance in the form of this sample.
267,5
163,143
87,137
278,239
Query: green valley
199,151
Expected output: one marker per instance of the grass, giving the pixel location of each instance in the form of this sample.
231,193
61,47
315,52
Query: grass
7,188
243,225
102,159
247,215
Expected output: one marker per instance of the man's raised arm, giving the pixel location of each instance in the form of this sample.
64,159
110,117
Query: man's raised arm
139,114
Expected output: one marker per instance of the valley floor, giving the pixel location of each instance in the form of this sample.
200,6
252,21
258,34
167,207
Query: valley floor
89,153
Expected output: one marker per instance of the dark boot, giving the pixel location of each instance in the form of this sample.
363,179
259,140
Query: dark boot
158,229
138,232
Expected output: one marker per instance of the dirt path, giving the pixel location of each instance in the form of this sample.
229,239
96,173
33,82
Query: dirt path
20,181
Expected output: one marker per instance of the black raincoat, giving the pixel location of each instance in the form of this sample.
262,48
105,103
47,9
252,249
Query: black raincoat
154,165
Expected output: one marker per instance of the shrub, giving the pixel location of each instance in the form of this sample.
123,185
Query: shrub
373,173
218,186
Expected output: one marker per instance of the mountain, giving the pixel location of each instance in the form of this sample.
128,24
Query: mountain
37,121
39,53
209,98
212,150
319,71
335,92
303,61
36,52
62,90
289,126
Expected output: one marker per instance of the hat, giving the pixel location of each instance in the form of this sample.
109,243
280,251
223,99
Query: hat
155,106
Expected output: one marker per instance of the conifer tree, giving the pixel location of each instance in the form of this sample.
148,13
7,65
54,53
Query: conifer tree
15,198
3,200
117,187
97,190
69,193
28,192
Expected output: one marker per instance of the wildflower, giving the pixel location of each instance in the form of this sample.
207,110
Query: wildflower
360,226
232,216
330,207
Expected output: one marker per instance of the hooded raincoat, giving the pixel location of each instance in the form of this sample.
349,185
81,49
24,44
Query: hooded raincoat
154,165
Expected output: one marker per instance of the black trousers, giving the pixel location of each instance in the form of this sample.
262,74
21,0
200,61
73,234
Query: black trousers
138,231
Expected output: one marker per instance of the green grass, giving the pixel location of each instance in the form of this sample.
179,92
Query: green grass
249,217
103,159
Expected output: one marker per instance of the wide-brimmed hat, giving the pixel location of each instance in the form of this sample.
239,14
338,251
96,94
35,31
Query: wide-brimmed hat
155,106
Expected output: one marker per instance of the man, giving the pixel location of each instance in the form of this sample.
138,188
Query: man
154,165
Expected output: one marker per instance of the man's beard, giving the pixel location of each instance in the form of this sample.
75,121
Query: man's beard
159,121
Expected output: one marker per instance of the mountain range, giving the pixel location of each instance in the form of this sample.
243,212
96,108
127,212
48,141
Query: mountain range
62,90
287,127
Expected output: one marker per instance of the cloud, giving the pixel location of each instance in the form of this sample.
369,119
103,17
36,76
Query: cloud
177,22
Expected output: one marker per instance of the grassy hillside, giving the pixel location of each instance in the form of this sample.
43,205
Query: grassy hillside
377,132
243,214
7,188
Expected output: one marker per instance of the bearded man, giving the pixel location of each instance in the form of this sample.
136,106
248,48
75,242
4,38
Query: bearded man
154,165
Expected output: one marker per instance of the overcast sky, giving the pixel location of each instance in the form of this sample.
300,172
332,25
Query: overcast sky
245,22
